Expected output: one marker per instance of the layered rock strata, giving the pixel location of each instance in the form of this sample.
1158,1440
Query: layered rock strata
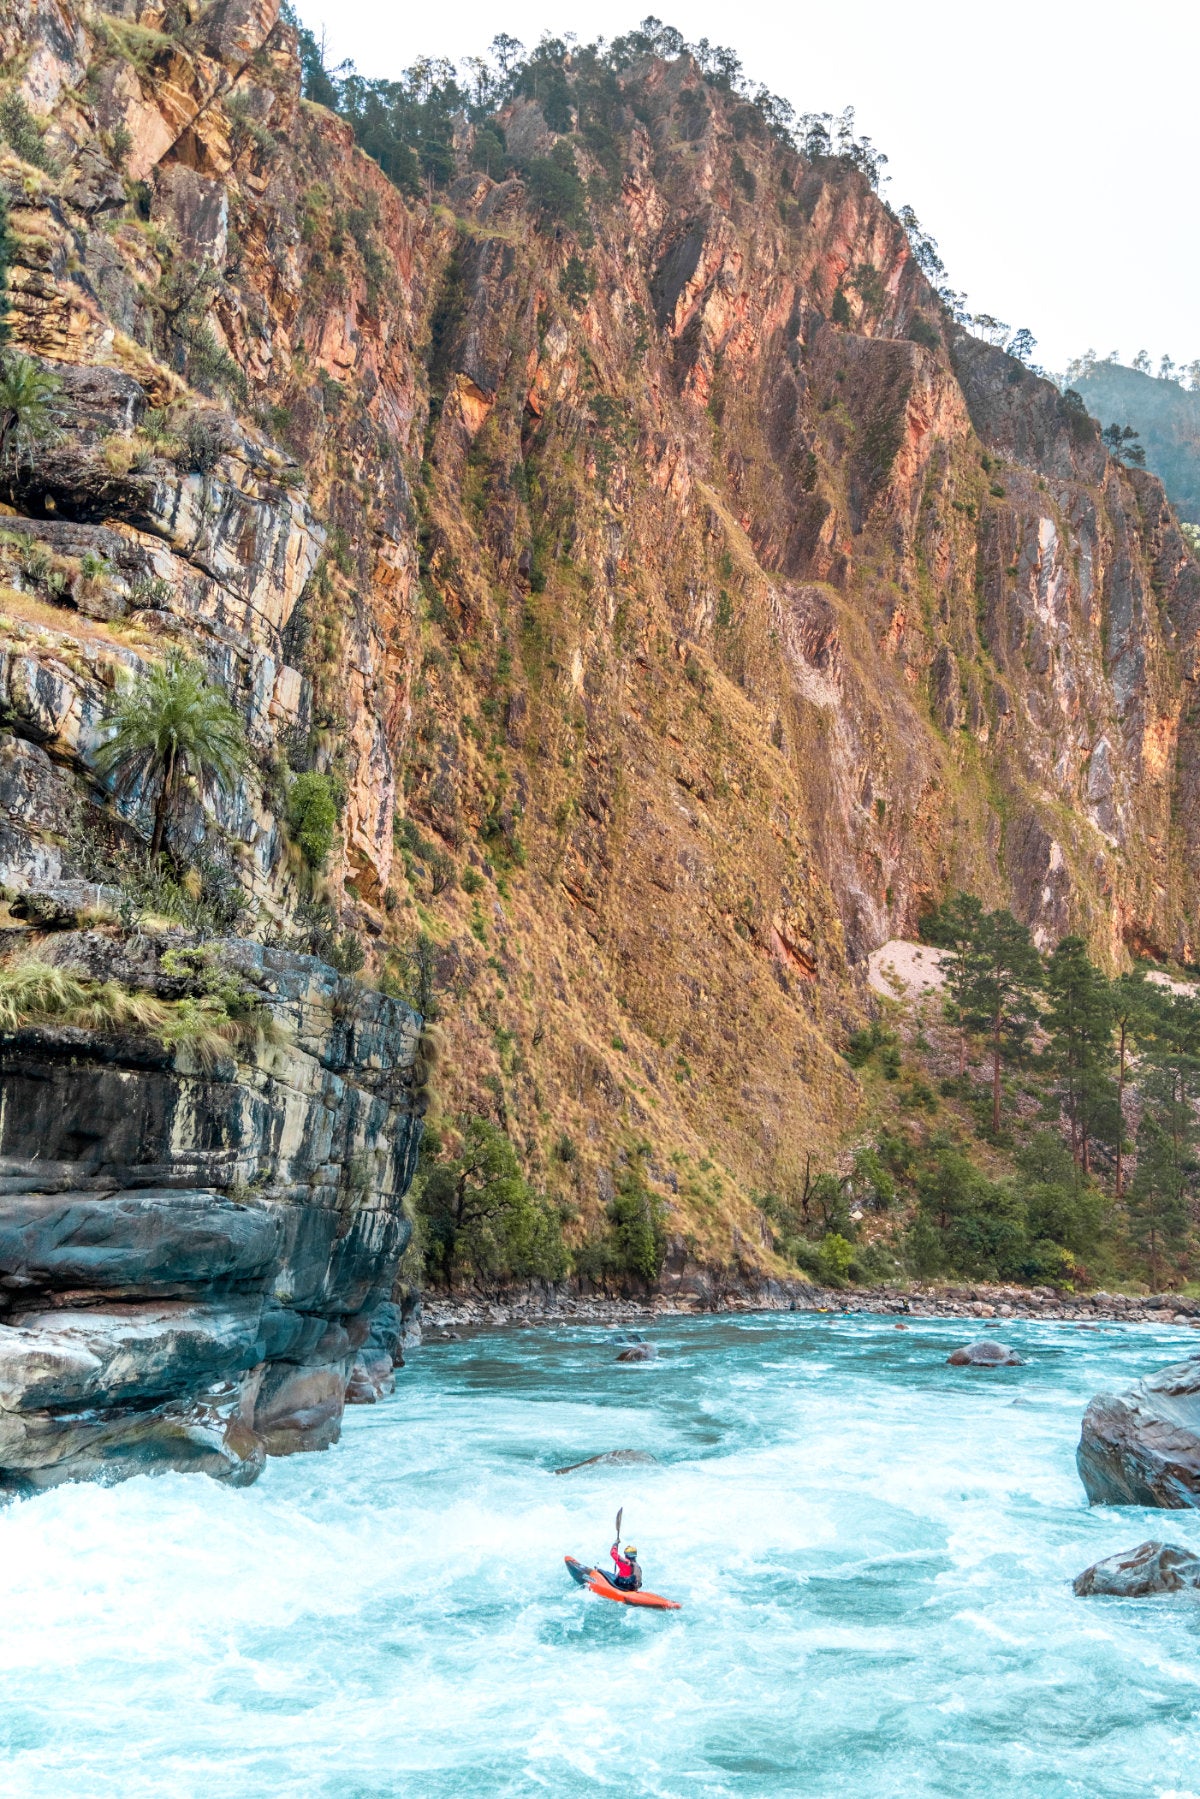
197,1258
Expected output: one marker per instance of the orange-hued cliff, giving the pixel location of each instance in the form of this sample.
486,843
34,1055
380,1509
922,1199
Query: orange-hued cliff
672,645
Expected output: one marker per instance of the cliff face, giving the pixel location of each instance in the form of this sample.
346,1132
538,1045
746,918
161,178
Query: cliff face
197,1254
673,644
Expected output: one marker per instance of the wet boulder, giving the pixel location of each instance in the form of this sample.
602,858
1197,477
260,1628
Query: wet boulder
1142,1572
1142,1447
986,1353
639,1352
612,1458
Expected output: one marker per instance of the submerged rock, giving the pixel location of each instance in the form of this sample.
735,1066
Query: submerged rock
616,1458
1142,1447
986,1353
1138,1573
639,1352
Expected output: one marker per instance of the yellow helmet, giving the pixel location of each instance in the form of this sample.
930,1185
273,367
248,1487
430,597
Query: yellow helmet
630,1552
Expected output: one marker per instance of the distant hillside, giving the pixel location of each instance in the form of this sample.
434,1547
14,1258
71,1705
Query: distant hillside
1166,415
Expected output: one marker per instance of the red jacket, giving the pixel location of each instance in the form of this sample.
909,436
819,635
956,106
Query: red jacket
625,1568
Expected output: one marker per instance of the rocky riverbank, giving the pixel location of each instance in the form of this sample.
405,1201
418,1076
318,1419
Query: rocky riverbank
442,1313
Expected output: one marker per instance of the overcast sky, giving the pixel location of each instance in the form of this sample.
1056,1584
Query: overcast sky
1051,148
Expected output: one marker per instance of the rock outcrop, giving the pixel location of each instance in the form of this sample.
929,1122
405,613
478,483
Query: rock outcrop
1140,1573
1142,1447
197,1254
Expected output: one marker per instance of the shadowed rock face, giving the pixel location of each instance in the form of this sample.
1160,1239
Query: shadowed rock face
1142,1447
1139,1573
196,1263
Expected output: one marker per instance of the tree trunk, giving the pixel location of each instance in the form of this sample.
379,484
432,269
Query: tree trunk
162,806
1121,1117
996,1076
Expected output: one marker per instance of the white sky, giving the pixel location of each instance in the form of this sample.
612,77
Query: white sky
1052,147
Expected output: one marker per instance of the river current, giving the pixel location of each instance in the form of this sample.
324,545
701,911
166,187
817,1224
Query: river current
873,1551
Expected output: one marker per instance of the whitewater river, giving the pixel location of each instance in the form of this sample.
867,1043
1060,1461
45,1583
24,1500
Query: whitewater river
873,1550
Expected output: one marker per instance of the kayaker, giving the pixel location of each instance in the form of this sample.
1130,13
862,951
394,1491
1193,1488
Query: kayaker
628,1576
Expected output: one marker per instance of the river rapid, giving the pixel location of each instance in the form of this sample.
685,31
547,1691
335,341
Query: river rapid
873,1550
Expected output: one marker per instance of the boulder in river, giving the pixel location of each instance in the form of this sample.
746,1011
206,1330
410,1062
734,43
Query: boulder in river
1142,1447
639,1352
1139,1573
614,1458
986,1353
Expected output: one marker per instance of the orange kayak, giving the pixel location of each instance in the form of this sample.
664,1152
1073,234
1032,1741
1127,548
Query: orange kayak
598,1583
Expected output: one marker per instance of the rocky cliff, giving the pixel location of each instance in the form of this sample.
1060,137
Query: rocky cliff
197,1250
679,600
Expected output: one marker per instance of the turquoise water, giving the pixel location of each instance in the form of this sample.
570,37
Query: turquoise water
873,1551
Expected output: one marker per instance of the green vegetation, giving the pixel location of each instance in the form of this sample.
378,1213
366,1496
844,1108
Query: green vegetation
167,725
6,249
1051,1079
553,185
23,133
635,1242
410,125
311,816
576,283
1122,442
215,1013
478,1217
28,407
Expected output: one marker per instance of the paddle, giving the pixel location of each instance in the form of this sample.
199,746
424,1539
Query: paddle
620,1515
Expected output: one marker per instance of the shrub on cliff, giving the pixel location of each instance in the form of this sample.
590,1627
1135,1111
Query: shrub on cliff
639,1239
478,1216
23,133
312,817
553,184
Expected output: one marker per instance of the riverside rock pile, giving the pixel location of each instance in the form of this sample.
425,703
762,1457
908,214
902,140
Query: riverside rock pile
549,1305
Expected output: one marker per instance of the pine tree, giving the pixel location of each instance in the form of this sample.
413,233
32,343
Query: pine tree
1164,1187
953,928
1130,1014
1002,973
1080,1025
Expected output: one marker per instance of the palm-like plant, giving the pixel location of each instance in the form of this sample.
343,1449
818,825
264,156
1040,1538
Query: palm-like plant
28,406
169,723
